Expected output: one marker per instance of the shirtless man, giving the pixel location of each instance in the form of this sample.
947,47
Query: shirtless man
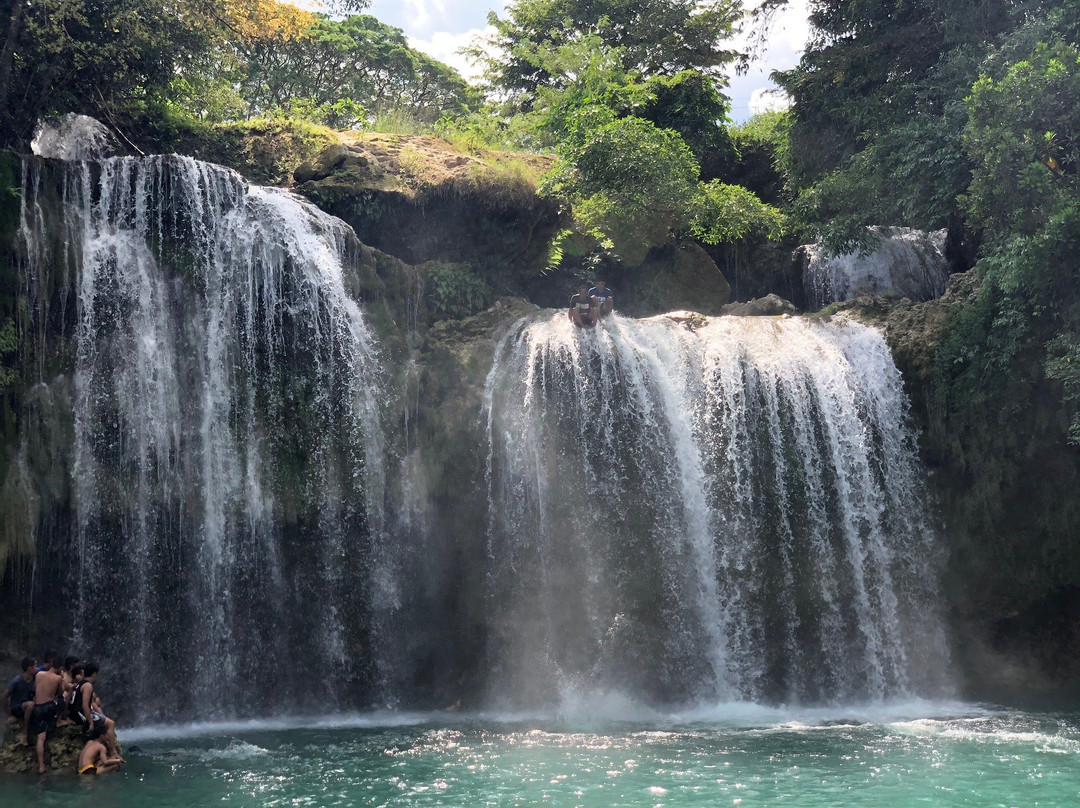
94,759
48,699
19,697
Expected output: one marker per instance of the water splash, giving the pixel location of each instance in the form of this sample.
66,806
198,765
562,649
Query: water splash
73,137
705,512
228,456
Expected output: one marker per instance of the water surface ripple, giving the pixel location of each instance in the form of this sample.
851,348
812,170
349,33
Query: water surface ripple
954,755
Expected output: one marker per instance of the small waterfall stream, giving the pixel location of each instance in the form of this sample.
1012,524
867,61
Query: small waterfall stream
707,509
228,457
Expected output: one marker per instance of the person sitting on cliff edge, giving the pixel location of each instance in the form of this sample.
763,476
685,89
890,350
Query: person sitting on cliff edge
48,699
583,308
19,697
604,299
95,723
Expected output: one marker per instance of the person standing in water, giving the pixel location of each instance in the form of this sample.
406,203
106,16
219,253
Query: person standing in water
583,308
605,299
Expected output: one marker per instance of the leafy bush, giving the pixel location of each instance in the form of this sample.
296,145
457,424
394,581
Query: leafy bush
456,290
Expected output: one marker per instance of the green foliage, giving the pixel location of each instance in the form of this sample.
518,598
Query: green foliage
630,183
689,103
762,154
456,290
657,38
358,60
730,212
1024,132
64,55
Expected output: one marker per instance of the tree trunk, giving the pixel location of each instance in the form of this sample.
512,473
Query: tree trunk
7,56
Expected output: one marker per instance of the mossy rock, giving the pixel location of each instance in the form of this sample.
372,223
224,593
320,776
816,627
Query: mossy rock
672,278
62,748
420,199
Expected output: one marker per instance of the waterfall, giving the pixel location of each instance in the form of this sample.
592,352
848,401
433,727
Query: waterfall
227,542
906,263
697,509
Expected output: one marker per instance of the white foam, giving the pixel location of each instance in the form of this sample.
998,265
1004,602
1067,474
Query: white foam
600,709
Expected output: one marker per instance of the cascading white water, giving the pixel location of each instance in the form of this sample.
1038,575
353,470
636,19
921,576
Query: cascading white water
907,263
228,459
691,509
73,137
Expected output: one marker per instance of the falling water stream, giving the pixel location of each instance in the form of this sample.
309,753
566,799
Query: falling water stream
227,456
708,574
708,509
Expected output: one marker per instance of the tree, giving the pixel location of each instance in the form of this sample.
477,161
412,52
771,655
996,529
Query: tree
358,59
630,183
656,37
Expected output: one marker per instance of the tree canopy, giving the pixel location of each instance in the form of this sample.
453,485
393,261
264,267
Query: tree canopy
656,38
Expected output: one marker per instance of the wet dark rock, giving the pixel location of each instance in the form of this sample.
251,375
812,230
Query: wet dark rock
62,748
769,306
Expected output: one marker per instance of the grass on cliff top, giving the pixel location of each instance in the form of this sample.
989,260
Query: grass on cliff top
426,158
434,164
264,150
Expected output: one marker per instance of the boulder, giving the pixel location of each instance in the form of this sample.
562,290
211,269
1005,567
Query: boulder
906,263
769,306
62,748
673,277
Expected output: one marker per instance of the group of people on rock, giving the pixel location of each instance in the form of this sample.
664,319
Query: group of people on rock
588,306
59,693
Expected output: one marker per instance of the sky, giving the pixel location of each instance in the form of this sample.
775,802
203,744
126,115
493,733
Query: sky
442,27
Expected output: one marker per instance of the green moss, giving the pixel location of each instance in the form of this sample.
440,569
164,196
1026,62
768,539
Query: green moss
264,150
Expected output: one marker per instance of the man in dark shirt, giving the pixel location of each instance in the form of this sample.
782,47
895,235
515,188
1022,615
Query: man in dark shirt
19,697
605,299
582,308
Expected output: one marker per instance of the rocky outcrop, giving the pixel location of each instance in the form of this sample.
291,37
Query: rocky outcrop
769,306
420,199
62,748
905,263
913,331
672,277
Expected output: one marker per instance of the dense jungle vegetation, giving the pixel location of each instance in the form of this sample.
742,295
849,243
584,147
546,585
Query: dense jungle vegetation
962,115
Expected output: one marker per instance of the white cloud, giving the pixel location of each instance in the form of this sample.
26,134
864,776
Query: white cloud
785,43
768,99
446,47
419,14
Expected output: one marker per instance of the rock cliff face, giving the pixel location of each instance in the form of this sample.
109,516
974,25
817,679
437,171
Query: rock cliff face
62,748
1005,478
421,200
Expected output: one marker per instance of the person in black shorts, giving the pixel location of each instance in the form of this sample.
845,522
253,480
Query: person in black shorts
48,699
19,697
